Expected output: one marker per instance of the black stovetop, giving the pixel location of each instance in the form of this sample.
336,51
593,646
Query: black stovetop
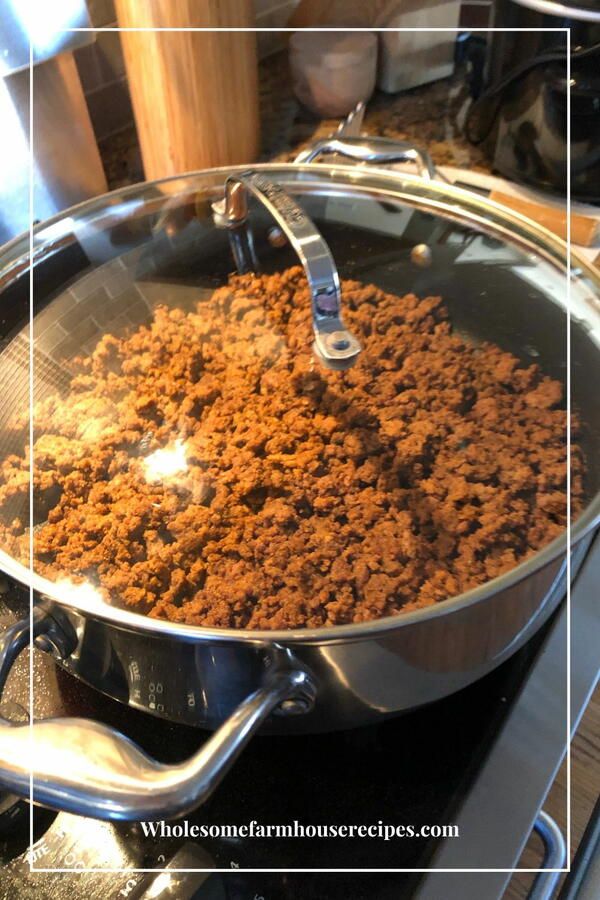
414,769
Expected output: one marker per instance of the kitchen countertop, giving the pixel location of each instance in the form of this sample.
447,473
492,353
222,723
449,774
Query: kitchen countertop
430,116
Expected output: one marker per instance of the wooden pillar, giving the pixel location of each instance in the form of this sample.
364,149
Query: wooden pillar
194,94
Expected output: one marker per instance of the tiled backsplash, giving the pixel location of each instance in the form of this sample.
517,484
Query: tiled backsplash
102,72
101,12
272,14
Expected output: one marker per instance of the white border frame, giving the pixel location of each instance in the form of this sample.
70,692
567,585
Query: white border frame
157,871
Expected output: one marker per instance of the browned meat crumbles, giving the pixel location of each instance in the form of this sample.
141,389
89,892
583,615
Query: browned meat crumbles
207,470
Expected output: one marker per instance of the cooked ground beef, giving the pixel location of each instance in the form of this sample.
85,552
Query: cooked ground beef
304,497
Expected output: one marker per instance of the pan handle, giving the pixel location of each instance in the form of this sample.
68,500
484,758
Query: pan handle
83,767
368,149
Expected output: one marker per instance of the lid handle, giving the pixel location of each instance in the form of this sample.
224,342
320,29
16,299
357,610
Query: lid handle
371,150
334,345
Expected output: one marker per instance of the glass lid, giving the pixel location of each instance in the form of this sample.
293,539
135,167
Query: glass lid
296,397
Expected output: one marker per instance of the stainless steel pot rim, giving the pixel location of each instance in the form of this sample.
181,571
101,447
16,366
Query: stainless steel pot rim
466,205
353,174
476,206
330,634
445,199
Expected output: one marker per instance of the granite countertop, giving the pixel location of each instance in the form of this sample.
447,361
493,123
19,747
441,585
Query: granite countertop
428,115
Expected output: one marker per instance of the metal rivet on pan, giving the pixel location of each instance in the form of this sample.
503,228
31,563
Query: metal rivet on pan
421,255
295,706
276,237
